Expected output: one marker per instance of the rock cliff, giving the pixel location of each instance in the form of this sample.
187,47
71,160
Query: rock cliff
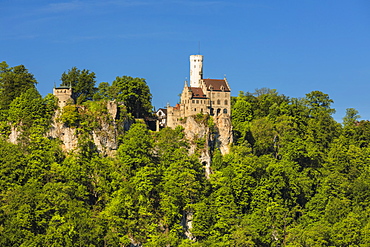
204,138
102,129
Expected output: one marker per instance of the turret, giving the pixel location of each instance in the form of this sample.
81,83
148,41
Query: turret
64,94
196,70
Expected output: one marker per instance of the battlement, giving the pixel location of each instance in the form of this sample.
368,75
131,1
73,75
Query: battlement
64,94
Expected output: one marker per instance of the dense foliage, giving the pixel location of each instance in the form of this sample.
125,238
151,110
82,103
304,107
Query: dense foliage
82,82
294,177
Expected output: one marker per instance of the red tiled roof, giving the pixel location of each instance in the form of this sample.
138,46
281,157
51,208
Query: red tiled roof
176,107
197,92
217,84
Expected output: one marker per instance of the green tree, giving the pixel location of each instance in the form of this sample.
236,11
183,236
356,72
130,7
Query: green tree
13,82
30,113
351,117
82,83
242,115
134,93
318,103
103,92
130,212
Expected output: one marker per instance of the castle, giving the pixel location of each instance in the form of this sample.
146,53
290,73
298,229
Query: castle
205,96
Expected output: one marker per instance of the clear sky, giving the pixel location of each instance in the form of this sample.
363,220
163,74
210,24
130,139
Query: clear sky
292,46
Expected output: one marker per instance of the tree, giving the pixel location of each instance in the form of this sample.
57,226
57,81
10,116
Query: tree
351,117
319,102
134,93
82,83
241,114
103,92
31,113
13,82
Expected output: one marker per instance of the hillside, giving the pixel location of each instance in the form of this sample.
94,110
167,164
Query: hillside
293,176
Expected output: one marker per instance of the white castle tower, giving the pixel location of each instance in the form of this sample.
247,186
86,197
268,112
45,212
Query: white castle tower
196,70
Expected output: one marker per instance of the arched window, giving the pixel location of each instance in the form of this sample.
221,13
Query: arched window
218,111
218,102
225,101
195,109
225,110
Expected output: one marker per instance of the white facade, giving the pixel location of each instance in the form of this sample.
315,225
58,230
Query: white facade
196,70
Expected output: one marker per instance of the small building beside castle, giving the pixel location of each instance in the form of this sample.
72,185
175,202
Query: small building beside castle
205,96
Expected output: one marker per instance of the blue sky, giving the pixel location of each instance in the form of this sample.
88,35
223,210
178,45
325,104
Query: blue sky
292,46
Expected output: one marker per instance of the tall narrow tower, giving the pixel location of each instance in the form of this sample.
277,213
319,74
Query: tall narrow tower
196,70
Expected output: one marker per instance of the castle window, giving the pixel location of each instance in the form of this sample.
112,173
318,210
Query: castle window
225,102
218,102
195,109
225,111
193,101
201,110
197,101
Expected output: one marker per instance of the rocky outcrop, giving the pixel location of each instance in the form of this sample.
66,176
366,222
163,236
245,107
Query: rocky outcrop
224,133
67,135
105,139
14,134
187,224
103,134
198,131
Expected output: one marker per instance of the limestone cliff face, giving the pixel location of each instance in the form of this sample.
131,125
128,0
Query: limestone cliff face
105,139
104,132
221,137
67,135
224,133
14,135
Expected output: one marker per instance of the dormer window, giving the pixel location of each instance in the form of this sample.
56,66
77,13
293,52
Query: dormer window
222,88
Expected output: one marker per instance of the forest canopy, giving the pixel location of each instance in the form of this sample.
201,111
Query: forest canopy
294,176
